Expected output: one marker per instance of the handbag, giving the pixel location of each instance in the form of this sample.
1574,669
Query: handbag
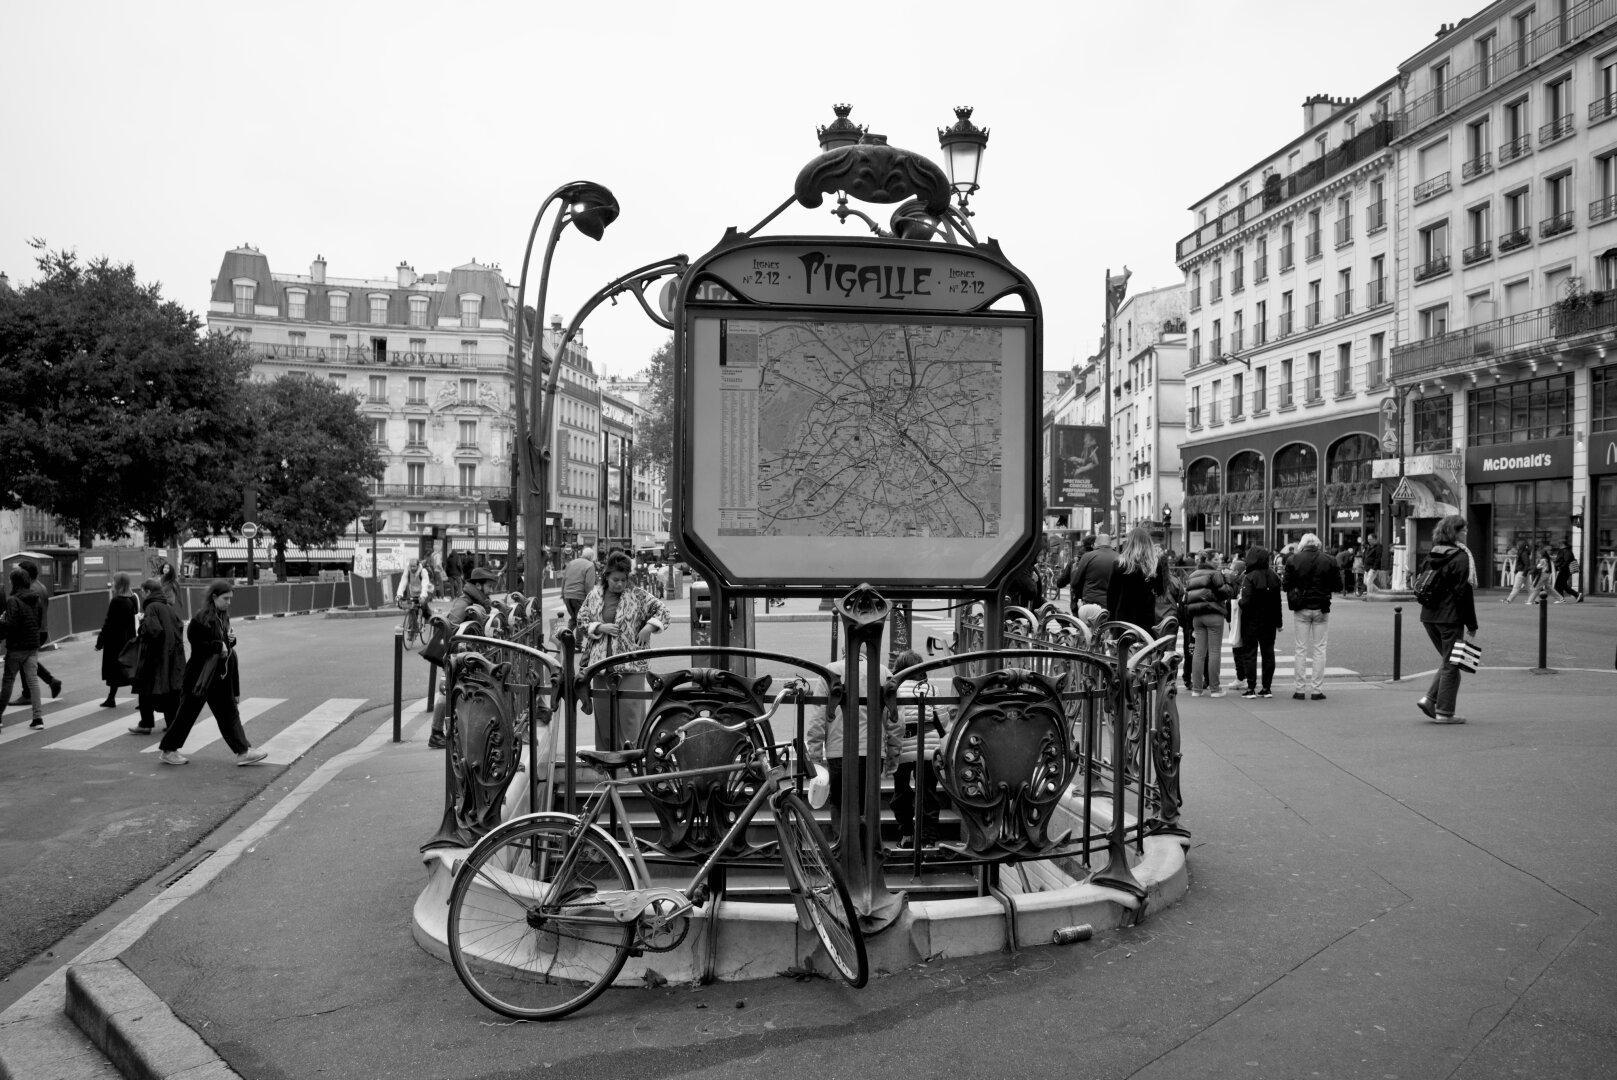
129,659
436,648
1466,656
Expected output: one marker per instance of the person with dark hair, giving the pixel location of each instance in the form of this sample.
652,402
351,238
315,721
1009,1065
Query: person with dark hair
617,617
1451,616
22,620
212,678
117,627
31,568
160,672
578,577
1259,598
170,584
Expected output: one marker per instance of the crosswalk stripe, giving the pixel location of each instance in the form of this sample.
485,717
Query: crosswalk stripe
201,737
89,740
17,717
296,738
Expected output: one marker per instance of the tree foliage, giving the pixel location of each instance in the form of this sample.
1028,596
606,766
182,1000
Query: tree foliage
312,451
656,438
116,411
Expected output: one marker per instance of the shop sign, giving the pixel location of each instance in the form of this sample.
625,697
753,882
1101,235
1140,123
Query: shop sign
1244,519
1535,460
1294,517
1603,454
1351,516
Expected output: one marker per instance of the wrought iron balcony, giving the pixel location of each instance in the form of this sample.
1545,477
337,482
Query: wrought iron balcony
1218,347
1602,108
415,401
1375,216
1512,149
1484,344
1285,395
1344,232
1480,165
1514,239
1477,252
1260,401
1432,188
1215,290
437,491
1260,270
376,399
1555,130
1311,314
1237,280
1195,418
1235,406
1214,419
1375,375
1236,339
1344,382
1285,325
1196,299
1260,333
1432,267
1555,226
1375,293
1601,209
1195,355
344,354
1311,390
1286,259
1311,246
1344,303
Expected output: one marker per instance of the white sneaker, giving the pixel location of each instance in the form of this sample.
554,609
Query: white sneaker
251,756
172,757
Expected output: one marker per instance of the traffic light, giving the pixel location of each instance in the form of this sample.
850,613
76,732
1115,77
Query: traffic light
500,511
1167,515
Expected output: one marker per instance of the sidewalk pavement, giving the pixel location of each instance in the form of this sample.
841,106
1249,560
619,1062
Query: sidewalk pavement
1372,895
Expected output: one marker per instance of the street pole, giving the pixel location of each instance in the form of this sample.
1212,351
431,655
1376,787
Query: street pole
376,572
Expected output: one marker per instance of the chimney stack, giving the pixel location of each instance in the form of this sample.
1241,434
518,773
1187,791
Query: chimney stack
317,270
555,323
406,275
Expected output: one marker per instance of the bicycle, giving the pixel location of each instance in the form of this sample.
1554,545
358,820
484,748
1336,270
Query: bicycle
545,910
414,619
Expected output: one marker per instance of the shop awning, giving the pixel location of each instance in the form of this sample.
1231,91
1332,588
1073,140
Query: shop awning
264,551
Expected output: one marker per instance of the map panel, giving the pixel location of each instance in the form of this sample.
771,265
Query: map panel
832,428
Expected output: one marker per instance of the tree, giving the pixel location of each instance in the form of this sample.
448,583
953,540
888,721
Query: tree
655,438
117,412
312,451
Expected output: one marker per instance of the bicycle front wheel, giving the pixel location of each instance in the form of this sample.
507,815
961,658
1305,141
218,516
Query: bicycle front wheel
412,627
819,881
528,933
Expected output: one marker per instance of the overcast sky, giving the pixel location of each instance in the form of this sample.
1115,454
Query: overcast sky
163,134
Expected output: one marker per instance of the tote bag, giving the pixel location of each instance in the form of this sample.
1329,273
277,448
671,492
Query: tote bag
1466,656
1235,626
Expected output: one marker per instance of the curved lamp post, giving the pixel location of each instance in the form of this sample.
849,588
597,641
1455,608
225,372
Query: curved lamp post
591,207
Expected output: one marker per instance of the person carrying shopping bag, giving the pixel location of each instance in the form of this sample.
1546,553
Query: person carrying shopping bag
1448,610
212,678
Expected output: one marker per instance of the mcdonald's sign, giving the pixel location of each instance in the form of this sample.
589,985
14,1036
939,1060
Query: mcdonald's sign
1603,454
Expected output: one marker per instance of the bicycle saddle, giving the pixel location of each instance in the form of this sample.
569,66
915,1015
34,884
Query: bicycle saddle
611,759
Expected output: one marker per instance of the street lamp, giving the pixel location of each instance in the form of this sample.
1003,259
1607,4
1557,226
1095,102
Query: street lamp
590,207
963,144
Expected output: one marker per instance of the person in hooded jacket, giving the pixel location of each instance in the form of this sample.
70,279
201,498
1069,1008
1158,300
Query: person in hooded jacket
1207,597
1259,597
22,617
1450,617
160,672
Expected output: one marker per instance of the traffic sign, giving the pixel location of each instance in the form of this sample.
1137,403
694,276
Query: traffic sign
668,508
249,530
1117,492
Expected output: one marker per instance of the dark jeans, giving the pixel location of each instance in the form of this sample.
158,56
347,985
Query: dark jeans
150,704
1445,686
572,611
1246,657
28,664
904,798
223,704
1189,633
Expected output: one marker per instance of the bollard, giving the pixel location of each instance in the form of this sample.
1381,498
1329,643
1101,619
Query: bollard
398,685
1543,634
1397,642
432,685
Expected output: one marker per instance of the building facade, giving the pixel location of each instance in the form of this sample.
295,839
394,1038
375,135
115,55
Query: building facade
1148,356
1507,355
1290,317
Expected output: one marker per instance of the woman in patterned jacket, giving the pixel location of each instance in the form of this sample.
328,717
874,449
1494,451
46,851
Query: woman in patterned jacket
617,618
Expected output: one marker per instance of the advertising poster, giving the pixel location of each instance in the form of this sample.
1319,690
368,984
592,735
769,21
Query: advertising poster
1079,473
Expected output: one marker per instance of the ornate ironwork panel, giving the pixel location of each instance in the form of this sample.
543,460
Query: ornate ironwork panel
1007,760
484,752
695,812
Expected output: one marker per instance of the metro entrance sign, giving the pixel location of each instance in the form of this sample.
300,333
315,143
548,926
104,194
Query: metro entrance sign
857,411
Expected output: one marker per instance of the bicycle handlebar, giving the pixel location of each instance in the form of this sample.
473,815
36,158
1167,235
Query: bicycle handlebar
671,741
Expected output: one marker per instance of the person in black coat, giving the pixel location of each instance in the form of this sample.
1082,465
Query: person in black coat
1207,596
1139,581
1450,617
212,677
1259,600
160,673
1311,578
123,612
23,616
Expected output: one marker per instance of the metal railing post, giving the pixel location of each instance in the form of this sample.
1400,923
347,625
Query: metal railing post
1543,633
398,685
1397,642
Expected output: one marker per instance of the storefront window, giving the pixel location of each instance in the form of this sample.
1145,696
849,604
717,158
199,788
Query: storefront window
1603,399
1296,466
1601,575
1521,412
1434,424
1508,514
1246,471
1351,459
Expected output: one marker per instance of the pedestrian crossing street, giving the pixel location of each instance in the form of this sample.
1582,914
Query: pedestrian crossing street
285,729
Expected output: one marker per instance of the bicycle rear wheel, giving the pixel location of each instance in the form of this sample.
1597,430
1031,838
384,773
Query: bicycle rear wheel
815,874
527,933
412,627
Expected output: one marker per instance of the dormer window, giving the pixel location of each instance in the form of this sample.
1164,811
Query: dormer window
339,307
378,309
418,311
471,308
244,291
297,304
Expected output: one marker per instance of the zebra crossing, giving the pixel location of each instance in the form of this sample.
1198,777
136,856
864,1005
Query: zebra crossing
285,729
1283,665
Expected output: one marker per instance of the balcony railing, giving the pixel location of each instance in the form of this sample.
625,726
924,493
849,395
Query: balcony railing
1311,246
1370,142
1215,290
1218,347
1602,108
1344,232
1582,19
1344,303
1195,355
1311,390
1311,314
1432,267
1237,337
1432,188
1480,165
1375,216
1477,252
1260,401
1195,418
1196,299
1601,209
437,491
1285,325
1555,130
1375,293
1286,259
1285,395
376,399
1344,382
1515,148
415,444
1260,270
415,401
1375,375
1485,343
1214,419
1235,406
1237,280
344,354
1555,226
1514,239
1260,332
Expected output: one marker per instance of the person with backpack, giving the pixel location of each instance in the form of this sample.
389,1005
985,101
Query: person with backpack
1445,587
1259,598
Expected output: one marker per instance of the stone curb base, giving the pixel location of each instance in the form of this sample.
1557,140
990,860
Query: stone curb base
135,1028
758,940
